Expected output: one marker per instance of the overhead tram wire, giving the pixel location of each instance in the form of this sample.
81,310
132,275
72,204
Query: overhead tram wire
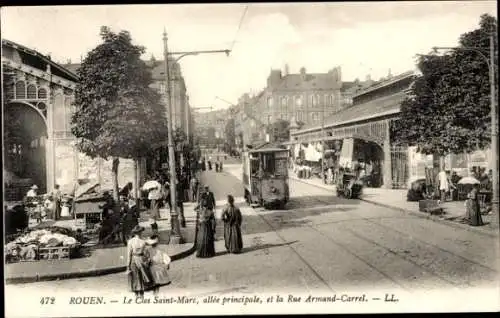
242,18
239,26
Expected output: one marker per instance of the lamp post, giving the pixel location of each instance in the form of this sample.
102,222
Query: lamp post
175,234
493,114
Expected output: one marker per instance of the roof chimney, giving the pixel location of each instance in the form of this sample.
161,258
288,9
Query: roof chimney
286,71
389,74
303,73
368,78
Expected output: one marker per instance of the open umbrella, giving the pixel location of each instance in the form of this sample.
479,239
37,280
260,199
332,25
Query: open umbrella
468,180
151,185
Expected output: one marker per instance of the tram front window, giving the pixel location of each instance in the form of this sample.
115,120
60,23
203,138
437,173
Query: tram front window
268,163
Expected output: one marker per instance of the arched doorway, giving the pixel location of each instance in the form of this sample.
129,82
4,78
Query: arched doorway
25,137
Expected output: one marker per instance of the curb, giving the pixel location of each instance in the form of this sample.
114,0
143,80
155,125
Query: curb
421,215
87,273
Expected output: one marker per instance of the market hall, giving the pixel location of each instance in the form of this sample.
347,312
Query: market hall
361,133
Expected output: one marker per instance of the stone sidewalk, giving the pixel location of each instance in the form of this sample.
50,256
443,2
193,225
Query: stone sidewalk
396,199
103,261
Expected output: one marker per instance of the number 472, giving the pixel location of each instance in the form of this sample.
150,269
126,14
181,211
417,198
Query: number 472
47,300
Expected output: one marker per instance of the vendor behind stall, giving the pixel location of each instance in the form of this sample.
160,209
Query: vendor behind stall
33,192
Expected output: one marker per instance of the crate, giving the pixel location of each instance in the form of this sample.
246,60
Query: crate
59,252
430,206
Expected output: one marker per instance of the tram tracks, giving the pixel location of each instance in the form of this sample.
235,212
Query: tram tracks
405,234
342,246
367,262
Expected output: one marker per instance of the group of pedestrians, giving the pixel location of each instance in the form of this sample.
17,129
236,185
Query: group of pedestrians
207,164
148,266
232,218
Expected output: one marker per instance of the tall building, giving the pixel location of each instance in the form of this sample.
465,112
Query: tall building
181,112
210,126
305,96
302,97
249,125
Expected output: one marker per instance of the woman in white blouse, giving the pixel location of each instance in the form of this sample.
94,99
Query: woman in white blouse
138,261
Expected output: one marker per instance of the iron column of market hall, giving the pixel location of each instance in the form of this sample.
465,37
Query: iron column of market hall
175,233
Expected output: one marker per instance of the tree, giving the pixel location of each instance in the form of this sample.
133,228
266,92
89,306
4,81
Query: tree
447,110
117,113
279,130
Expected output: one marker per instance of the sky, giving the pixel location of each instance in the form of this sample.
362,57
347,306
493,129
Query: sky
364,38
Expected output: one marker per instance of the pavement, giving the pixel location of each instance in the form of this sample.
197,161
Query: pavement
454,211
102,261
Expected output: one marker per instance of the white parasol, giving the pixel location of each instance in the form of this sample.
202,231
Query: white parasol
151,185
469,180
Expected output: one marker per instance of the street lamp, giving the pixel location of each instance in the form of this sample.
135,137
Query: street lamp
175,234
493,112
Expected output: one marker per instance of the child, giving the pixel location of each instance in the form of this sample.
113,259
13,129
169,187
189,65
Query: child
160,264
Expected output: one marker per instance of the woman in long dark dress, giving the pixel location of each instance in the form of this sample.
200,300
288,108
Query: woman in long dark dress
205,245
232,227
473,208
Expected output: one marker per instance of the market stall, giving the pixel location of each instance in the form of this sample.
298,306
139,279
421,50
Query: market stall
88,207
44,244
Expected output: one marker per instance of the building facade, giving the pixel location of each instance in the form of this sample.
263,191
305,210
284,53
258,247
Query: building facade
210,126
361,133
181,110
307,97
304,97
37,106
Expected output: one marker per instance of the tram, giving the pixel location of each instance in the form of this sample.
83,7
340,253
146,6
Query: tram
265,175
